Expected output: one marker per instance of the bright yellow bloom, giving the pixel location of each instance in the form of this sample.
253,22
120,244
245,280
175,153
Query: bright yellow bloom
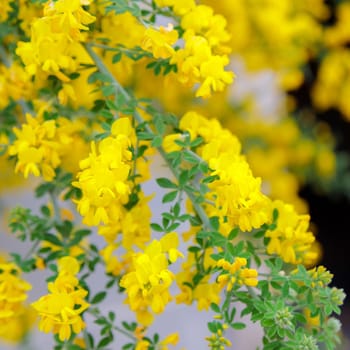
215,78
291,239
40,145
13,292
147,284
202,21
52,38
104,174
69,17
61,310
160,42
237,274
237,192
14,84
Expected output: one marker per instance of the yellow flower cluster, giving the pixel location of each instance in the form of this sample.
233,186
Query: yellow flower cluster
237,274
13,292
205,292
40,145
284,50
14,84
291,239
160,42
203,58
54,38
134,224
236,192
61,310
277,151
116,29
147,284
103,178
332,87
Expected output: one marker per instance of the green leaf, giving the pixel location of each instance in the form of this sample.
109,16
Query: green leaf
157,141
165,183
214,222
108,90
52,239
169,197
157,227
117,57
98,297
215,307
238,325
233,234
44,188
45,210
213,327
189,157
103,342
259,234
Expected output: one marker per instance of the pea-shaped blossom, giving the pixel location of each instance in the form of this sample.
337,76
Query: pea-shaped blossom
53,38
160,42
236,273
235,191
103,178
147,284
60,311
291,239
40,145
13,292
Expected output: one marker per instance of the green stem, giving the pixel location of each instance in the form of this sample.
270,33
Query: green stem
127,334
56,208
119,89
32,250
86,340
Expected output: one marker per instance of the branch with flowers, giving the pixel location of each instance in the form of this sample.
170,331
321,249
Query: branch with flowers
76,118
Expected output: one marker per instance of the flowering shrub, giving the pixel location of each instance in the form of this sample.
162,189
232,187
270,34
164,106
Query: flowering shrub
89,96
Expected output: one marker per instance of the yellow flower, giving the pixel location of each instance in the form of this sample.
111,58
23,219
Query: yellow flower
215,78
103,176
237,273
15,318
160,42
61,310
147,284
291,239
39,145
171,339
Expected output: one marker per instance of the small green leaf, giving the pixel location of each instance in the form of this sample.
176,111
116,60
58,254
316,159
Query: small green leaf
238,325
157,227
169,197
98,297
103,342
165,183
215,307
233,234
52,239
117,57
157,141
